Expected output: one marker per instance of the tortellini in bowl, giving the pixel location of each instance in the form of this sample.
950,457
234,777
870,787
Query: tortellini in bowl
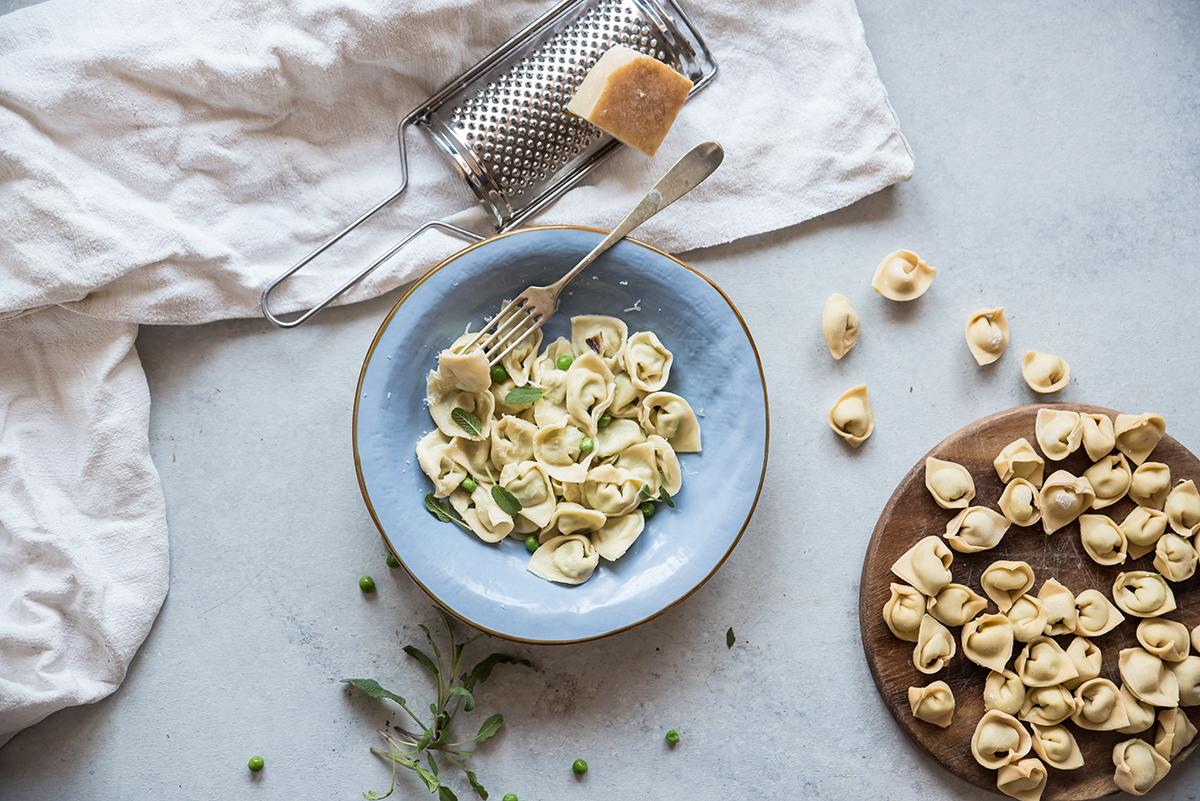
545,460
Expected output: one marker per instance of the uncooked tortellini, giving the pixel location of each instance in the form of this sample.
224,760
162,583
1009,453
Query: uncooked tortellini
851,417
933,703
1110,478
1087,659
1059,603
1098,706
903,612
1043,663
988,641
987,334
954,605
902,275
1103,539
1182,508
839,323
1166,639
1006,581
1057,746
999,739
1004,691
935,646
1064,497
1024,780
1143,527
1020,503
1099,436
1150,484
1059,433
926,565
949,483
1148,678
1175,558
1143,594
1175,733
976,529
1018,459
1045,373
1139,766
1137,435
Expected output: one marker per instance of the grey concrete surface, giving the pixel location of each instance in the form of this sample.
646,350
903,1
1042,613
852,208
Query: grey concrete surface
1057,174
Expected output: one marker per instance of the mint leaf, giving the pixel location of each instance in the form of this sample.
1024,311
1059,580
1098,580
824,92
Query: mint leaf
446,794
489,727
483,670
420,656
432,765
467,421
373,690
729,638
505,500
468,699
523,395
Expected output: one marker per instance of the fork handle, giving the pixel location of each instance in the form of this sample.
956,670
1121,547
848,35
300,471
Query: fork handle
696,165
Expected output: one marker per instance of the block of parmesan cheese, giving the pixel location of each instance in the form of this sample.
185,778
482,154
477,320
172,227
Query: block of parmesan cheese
632,96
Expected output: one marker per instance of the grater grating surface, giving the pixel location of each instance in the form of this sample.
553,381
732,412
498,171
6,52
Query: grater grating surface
504,123
509,131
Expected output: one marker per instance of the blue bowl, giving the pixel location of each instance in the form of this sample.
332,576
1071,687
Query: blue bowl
716,368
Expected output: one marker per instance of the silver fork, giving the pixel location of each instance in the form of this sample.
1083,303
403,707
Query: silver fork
533,307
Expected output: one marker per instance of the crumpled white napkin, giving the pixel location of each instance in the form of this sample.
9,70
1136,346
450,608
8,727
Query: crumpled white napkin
161,160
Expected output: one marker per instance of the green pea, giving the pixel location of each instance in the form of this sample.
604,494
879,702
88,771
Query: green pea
564,362
672,737
531,543
392,561
255,764
580,767
647,509
468,484
499,373
586,445
604,420
510,797
366,584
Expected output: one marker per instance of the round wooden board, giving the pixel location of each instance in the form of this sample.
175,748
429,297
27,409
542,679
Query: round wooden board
911,515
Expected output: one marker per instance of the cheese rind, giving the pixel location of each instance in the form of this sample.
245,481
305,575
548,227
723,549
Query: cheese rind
631,96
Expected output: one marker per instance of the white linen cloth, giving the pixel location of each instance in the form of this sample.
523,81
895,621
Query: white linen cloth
161,160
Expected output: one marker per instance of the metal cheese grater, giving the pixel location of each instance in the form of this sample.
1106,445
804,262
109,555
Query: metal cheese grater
504,123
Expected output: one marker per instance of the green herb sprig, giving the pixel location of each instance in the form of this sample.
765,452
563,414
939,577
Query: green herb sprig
467,421
646,495
405,748
443,511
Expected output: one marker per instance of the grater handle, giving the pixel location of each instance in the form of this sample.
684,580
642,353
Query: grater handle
696,165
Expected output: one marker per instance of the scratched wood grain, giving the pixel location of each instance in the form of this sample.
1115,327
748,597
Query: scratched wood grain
911,514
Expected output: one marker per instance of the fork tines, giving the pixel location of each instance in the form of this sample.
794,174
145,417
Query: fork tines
509,328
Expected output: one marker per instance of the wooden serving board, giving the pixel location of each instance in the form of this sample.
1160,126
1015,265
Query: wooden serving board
911,515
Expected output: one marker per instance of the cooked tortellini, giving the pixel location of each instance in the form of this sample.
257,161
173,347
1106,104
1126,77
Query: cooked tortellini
949,483
851,417
1057,746
987,335
839,324
933,703
1139,766
1137,435
902,275
590,436
1045,373
999,739
1018,459
1064,498
976,529
1059,433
